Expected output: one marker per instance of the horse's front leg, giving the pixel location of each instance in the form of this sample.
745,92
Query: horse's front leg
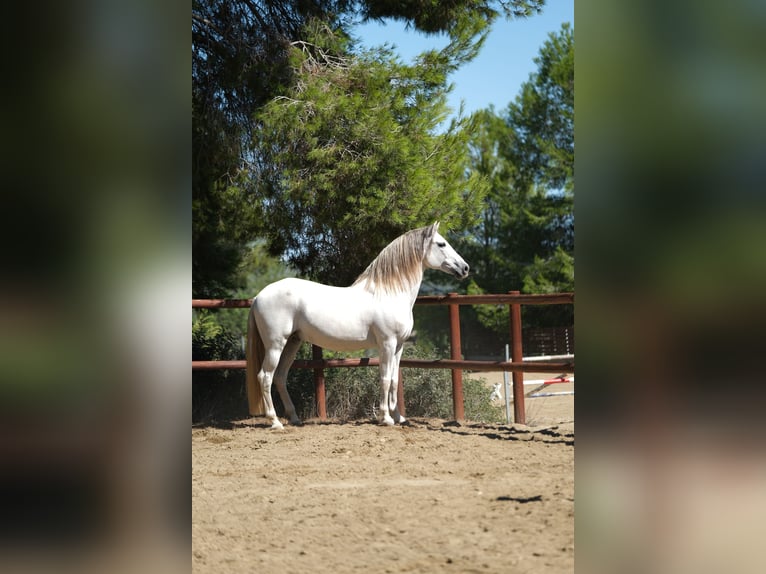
393,393
388,365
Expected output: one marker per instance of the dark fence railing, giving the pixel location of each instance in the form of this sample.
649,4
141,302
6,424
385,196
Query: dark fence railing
455,363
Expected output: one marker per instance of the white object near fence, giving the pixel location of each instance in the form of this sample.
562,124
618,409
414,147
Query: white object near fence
507,390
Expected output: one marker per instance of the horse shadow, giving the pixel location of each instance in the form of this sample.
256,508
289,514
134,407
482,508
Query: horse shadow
550,434
233,415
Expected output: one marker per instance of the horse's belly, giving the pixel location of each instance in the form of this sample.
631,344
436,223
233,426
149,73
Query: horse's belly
337,335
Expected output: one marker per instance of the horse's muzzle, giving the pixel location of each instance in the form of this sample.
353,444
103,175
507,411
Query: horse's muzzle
459,270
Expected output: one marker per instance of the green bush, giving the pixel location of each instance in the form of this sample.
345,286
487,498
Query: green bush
211,341
216,394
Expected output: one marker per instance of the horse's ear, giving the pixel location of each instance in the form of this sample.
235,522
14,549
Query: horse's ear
429,233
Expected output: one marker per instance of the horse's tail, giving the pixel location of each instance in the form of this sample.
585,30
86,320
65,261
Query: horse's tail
254,352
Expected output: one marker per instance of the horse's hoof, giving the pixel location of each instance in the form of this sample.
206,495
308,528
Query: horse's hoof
388,422
276,425
296,423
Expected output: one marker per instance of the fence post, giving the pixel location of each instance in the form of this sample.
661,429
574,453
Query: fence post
400,394
519,416
458,407
319,389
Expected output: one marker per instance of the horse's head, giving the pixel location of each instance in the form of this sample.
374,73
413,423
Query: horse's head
441,255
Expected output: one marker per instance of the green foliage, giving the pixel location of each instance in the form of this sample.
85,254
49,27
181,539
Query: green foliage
258,268
237,65
449,14
543,118
211,341
494,317
358,160
551,275
219,334
431,328
215,391
525,238
242,58
325,151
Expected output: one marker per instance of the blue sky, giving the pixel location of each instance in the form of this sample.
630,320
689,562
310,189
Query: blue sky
504,63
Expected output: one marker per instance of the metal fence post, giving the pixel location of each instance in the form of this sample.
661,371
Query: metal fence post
519,416
319,388
458,407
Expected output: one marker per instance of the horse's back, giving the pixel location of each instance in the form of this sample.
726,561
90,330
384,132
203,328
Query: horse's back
293,293
284,289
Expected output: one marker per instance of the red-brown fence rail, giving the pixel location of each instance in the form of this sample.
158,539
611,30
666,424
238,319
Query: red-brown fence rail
516,366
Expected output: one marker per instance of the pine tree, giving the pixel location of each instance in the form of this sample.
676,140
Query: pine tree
355,155
525,240
240,61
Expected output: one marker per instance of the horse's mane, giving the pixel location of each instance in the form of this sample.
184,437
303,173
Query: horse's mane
398,266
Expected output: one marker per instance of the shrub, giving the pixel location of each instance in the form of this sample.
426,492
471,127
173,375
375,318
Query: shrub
211,341
216,393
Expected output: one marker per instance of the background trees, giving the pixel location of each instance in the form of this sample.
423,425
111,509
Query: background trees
310,151
239,62
353,157
314,152
525,237
244,56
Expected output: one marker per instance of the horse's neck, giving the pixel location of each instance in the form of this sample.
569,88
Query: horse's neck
415,289
408,293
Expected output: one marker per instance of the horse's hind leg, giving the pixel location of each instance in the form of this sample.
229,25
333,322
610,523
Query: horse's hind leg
280,376
265,377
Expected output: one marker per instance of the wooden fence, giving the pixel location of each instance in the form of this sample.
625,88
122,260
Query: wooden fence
455,363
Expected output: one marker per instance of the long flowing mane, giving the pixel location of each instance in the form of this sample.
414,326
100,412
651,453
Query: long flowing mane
398,266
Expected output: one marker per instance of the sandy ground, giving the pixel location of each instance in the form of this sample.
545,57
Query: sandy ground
431,496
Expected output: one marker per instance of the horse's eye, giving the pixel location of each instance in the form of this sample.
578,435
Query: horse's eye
441,244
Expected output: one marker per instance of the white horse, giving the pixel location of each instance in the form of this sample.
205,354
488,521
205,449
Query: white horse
376,311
